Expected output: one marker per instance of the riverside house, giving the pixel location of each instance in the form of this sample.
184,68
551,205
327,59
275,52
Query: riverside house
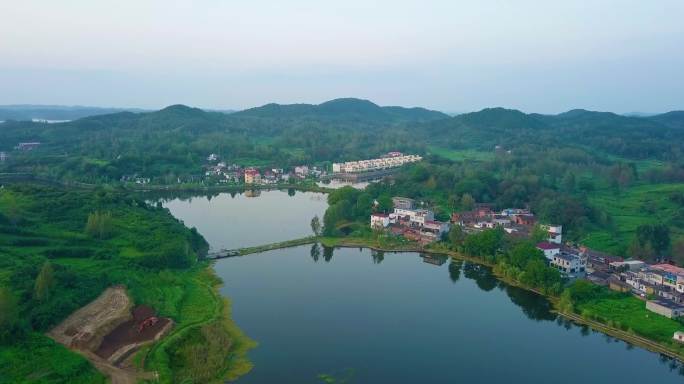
569,263
252,176
414,224
550,250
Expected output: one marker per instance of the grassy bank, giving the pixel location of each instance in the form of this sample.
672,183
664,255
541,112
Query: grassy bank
621,314
206,346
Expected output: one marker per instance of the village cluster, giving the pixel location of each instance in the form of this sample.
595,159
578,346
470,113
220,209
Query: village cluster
660,285
218,171
420,225
221,172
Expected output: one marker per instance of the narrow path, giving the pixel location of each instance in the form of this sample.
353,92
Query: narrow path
225,253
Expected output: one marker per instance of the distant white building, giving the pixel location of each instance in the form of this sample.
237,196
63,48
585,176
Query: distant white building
374,164
555,233
569,263
438,228
417,216
679,336
379,220
301,171
212,157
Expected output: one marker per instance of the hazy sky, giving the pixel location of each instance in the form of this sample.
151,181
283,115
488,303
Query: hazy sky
538,56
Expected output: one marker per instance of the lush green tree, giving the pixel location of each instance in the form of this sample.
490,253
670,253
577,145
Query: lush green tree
467,202
539,234
678,252
9,314
484,244
568,183
100,225
384,203
45,282
456,236
346,193
523,252
316,225
364,206
8,201
650,241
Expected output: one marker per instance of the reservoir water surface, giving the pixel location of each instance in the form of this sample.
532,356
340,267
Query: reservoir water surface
360,316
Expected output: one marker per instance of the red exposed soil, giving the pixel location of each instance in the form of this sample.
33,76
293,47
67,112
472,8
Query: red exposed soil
128,332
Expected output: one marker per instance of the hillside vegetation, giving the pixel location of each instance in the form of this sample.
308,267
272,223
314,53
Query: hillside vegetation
60,249
571,168
174,141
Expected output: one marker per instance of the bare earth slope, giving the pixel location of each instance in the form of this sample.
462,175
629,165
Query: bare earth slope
98,327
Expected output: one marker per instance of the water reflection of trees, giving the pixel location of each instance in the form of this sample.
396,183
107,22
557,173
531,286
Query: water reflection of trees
455,267
377,256
482,275
315,252
535,307
327,253
672,364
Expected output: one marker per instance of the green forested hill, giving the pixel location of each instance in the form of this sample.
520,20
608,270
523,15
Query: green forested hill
629,137
347,109
54,112
174,141
674,119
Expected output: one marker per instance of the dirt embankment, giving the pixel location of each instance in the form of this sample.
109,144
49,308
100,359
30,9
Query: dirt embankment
108,331
85,328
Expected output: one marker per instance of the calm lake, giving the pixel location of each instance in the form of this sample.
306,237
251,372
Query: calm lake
250,218
358,316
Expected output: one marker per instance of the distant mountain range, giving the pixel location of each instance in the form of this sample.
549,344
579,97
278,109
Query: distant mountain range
658,136
57,113
340,129
343,109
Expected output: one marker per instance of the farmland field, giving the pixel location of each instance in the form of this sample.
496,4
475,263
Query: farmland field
643,204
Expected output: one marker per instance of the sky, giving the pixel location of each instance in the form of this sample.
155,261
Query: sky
455,56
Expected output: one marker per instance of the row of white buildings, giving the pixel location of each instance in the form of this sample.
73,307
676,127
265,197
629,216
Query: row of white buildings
393,160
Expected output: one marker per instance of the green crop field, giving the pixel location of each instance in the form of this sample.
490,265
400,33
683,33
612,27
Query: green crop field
634,206
461,154
630,314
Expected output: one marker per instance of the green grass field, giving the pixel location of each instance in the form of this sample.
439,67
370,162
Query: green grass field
642,204
461,154
628,313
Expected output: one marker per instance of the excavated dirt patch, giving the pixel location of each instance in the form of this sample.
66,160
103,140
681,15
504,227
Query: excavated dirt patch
85,328
129,333
107,332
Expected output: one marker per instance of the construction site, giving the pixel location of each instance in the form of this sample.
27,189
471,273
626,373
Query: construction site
109,330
